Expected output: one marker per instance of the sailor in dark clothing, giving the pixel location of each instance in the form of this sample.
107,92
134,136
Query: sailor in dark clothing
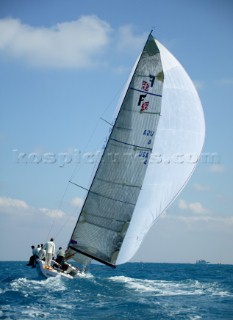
60,256
31,261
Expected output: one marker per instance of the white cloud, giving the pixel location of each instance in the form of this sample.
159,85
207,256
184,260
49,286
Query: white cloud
216,168
77,202
127,40
29,225
199,84
69,44
52,213
16,207
195,207
6,202
200,187
206,217
182,204
81,43
218,221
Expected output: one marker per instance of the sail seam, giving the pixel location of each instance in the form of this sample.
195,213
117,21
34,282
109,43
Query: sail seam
106,218
122,128
148,112
152,94
107,181
132,145
99,194
141,112
102,227
119,183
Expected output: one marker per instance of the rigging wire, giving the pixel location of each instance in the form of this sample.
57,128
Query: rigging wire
76,165
66,222
58,209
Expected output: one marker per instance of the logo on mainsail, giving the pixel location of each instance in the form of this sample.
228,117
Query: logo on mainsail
145,104
145,85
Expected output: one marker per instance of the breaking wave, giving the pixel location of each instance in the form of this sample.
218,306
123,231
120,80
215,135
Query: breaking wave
172,288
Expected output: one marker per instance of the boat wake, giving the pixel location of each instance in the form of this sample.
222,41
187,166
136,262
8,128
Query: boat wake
172,288
53,284
25,285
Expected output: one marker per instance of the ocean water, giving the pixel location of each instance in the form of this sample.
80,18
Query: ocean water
131,291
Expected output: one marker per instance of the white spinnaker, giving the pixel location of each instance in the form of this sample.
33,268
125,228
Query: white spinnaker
179,140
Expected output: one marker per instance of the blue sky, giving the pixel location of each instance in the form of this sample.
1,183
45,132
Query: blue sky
63,65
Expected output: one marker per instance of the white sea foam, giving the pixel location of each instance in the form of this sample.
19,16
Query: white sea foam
171,288
87,275
33,312
25,285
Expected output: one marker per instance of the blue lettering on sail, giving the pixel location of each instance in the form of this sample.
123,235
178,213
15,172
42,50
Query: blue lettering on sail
141,99
144,154
152,80
148,133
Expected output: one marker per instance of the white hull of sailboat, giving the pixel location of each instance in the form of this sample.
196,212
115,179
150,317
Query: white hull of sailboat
51,272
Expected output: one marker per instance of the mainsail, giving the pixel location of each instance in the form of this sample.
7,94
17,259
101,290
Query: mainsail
110,202
151,153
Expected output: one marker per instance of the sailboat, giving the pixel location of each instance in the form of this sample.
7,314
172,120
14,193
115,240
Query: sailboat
152,150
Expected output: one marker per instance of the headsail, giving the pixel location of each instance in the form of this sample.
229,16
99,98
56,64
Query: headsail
179,141
112,197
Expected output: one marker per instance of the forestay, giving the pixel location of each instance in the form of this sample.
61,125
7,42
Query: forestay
112,197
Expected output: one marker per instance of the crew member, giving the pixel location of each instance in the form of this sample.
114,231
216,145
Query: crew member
50,250
31,261
60,255
42,252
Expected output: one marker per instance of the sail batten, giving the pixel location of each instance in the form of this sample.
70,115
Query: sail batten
132,145
142,91
112,199
106,218
119,183
102,226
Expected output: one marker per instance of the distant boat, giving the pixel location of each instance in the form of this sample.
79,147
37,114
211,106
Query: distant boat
201,261
152,151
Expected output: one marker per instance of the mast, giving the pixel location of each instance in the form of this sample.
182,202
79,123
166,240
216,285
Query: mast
112,196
